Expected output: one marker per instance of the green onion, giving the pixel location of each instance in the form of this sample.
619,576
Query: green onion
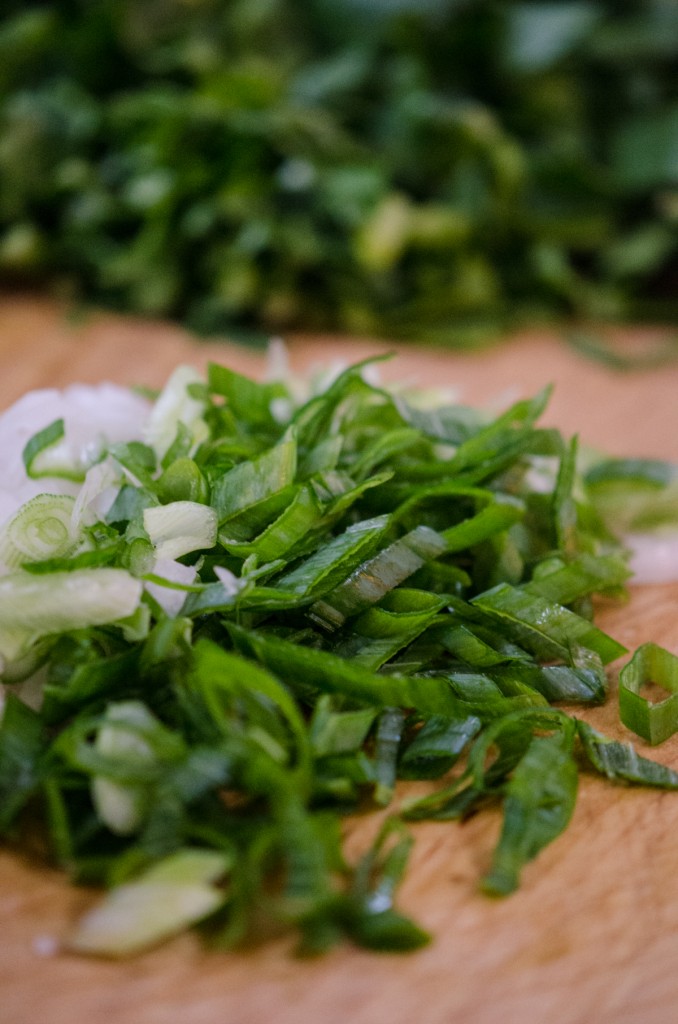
161,901
180,527
121,806
32,606
42,529
538,802
290,607
45,456
653,721
620,762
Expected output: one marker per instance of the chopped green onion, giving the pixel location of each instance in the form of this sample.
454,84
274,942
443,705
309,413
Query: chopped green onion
548,629
32,606
654,721
181,527
289,607
42,529
45,456
620,762
121,806
538,802
160,902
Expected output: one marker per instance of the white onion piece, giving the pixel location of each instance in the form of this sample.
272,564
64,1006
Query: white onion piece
171,600
173,406
92,416
654,557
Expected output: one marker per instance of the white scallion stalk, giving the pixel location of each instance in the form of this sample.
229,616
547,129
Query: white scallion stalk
180,527
170,598
35,606
165,899
97,493
122,807
174,406
654,556
231,583
136,626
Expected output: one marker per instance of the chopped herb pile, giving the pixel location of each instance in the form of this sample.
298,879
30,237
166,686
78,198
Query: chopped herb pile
264,614
431,169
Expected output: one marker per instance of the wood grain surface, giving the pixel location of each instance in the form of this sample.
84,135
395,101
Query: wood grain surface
592,936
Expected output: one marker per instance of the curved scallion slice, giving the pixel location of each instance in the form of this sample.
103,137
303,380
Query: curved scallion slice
634,495
621,763
546,628
539,799
42,528
174,407
653,721
252,482
301,515
35,606
47,454
376,577
334,560
173,894
181,527
379,633
121,805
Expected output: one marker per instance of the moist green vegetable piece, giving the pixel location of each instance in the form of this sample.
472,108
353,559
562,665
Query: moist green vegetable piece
654,721
349,591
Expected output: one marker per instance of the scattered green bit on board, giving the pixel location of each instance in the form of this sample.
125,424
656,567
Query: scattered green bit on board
655,721
287,607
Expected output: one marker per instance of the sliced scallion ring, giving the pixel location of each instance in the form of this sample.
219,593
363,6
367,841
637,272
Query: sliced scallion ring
42,528
653,721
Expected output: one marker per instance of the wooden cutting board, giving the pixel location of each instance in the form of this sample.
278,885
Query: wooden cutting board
592,936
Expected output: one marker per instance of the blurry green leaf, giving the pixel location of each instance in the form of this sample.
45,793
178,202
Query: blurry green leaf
645,153
542,33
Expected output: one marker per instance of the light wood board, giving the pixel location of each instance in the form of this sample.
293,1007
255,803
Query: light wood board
592,936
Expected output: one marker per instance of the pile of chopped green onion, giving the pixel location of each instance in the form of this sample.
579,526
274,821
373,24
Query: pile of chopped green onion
230,634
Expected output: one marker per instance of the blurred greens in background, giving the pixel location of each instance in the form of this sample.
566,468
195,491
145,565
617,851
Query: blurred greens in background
433,169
